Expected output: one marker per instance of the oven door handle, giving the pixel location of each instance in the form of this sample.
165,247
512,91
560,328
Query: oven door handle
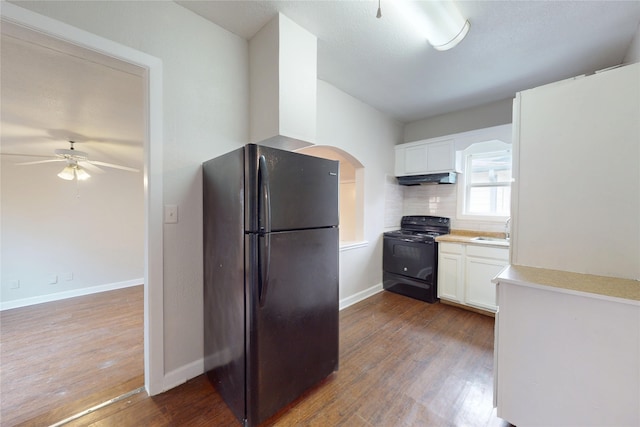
427,242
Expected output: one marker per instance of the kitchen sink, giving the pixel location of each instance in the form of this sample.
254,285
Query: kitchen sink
492,240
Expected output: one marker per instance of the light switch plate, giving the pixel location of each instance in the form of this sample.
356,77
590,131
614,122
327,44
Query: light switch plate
170,214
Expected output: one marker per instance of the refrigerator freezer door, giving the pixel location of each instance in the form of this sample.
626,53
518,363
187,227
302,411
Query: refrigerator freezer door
293,343
289,191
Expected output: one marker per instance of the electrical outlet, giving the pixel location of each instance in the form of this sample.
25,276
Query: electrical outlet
53,279
67,276
14,284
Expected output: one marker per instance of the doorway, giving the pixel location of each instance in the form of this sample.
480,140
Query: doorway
150,69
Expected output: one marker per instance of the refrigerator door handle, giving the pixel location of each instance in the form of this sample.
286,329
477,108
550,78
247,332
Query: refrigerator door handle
265,195
264,257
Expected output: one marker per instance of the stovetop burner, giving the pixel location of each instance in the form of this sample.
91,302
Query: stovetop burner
421,228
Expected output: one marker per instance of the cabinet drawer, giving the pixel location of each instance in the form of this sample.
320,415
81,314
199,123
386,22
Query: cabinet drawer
488,252
451,248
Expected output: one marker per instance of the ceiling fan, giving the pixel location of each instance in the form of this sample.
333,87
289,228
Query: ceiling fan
77,162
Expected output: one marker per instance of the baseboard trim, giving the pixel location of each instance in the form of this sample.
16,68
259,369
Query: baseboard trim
359,296
182,374
24,302
191,370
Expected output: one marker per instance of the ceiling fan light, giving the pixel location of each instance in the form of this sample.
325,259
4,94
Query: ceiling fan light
81,174
440,22
455,39
67,173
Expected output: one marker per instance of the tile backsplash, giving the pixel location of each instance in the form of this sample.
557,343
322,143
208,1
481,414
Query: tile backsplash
437,200
394,203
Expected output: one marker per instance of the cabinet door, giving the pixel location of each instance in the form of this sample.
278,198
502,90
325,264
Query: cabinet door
450,277
425,157
480,292
415,159
441,156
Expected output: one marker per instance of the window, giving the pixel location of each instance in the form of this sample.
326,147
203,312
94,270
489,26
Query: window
487,180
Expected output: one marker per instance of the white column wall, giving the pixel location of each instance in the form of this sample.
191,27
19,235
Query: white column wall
369,136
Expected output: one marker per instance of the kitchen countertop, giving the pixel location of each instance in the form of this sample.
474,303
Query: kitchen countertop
467,236
622,290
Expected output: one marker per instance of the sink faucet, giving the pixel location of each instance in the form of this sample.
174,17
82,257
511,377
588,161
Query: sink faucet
507,229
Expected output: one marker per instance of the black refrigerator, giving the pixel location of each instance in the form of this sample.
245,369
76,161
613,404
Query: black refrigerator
270,277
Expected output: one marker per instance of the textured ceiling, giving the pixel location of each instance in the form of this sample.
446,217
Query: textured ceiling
54,92
511,46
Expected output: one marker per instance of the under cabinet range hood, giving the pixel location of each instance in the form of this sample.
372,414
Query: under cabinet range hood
432,178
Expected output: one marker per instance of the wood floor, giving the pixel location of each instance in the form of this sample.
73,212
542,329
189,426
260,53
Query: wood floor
402,363
59,358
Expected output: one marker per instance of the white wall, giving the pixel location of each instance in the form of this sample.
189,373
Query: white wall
369,136
483,116
633,53
51,227
205,99
576,197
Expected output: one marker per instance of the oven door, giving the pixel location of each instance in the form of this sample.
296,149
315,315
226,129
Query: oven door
414,259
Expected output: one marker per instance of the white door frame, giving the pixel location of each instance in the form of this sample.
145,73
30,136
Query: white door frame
153,143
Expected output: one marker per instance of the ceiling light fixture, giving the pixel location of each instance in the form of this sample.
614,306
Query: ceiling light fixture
81,174
67,173
72,170
439,21
379,14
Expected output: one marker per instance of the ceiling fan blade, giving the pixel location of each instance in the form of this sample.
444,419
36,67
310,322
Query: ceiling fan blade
111,165
40,161
90,167
25,155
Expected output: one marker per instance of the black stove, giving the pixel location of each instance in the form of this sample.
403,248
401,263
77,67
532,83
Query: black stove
410,258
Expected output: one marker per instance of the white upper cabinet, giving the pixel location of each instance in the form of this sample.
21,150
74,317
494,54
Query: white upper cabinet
411,160
424,157
438,155
441,156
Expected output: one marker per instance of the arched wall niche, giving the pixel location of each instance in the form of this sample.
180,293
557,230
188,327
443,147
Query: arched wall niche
351,191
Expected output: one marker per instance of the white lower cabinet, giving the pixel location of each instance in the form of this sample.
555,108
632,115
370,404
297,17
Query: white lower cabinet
465,272
565,357
451,272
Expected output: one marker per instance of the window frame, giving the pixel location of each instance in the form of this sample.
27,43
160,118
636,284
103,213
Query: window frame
465,186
